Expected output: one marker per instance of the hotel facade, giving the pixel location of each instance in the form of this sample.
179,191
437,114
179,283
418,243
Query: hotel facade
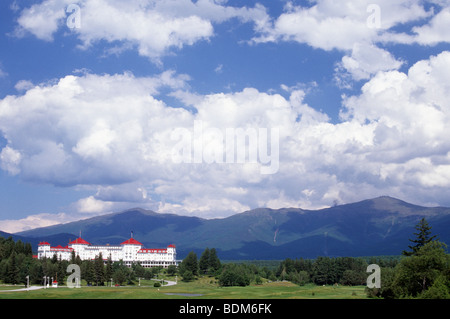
130,251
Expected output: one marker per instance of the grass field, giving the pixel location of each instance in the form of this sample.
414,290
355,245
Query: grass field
204,288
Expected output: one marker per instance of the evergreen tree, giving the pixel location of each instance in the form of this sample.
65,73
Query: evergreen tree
87,272
12,273
189,266
54,258
61,270
109,269
423,236
72,257
214,262
99,270
78,260
6,248
35,272
19,247
28,249
203,263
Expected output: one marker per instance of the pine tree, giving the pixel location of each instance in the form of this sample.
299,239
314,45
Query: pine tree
78,260
99,270
72,257
203,263
423,236
12,270
109,268
209,263
189,266
35,272
214,261
87,272
28,249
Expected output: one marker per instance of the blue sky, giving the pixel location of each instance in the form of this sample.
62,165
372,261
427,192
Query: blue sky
358,91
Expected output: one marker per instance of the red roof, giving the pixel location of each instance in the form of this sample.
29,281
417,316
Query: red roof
131,241
79,241
44,243
172,245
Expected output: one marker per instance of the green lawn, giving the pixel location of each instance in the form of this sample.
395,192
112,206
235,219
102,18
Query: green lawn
205,287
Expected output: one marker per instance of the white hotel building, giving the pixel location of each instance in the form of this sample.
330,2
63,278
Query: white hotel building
130,251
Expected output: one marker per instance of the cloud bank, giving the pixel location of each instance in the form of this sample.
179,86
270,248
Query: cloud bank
151,27
114,133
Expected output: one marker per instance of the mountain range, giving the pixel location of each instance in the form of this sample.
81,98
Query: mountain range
373,227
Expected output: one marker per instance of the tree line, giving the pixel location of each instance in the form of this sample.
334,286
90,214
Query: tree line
421,272
15,260
324,271
319,271
226,274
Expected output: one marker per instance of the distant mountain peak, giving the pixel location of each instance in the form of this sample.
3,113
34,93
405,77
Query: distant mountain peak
388,198
377,226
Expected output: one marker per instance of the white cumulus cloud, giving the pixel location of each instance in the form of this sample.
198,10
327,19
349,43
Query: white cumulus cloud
115,135
153,28
359,29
